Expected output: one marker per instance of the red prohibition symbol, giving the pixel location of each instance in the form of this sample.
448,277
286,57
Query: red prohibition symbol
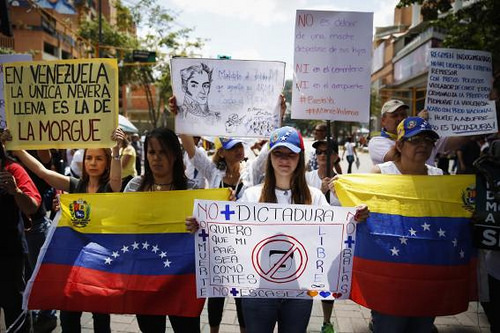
279,258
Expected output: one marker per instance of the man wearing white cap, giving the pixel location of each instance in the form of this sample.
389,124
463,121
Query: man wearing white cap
393,112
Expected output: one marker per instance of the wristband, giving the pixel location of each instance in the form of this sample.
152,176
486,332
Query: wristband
117,157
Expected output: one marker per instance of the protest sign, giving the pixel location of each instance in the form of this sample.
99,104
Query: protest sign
61,104
263,250
458,88
7,58
236,98
332,65
487,214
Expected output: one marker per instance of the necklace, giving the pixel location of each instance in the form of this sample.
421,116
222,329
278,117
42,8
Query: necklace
159,187
285,190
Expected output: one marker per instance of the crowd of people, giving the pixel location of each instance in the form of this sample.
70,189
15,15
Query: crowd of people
407,146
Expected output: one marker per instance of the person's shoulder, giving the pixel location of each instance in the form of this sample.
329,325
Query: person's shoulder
133,184
434,171
251,194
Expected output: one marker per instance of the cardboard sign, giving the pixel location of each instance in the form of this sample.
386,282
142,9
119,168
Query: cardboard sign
232,98
61,104
271,250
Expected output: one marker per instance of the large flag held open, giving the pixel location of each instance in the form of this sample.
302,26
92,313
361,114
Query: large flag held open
120,253
414,254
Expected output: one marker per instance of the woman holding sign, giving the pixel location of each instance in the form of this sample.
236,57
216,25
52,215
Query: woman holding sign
163,171
101,173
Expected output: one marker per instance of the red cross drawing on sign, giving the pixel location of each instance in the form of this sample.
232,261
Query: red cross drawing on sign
279,258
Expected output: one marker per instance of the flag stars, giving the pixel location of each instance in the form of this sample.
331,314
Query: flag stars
108,261
124,249
163,254
403,240
426,226
462,253
167,263
115,254
394,251
145,245
441,233
412,232
135,246
155,249
455,242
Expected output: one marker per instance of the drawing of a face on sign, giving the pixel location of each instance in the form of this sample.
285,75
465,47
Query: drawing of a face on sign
196,81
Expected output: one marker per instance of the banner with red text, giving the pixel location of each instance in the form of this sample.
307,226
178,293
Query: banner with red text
332,65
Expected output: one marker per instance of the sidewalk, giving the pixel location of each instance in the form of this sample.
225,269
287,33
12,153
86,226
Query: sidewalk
348,317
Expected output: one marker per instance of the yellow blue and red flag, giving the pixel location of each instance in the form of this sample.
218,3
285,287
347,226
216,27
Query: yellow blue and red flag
121,253
414,255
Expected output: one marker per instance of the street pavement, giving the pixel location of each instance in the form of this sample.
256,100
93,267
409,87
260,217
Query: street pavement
347,316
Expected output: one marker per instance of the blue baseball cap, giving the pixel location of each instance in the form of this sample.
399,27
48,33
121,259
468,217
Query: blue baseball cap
412,126
227,143
287,137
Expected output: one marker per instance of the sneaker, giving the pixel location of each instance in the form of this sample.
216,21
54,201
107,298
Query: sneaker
45,324
327,328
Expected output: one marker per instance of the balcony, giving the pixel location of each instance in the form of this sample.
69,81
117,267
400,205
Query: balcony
6,42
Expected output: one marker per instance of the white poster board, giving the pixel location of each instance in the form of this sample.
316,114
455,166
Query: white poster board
332,65
458,89
6,58
262,250
232,98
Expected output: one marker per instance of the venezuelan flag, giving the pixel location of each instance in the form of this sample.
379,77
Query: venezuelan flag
414,255
121,253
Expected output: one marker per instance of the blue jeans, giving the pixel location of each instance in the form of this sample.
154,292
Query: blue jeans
261,314
383,323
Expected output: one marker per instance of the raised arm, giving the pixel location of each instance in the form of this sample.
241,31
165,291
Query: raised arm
115,173
53,178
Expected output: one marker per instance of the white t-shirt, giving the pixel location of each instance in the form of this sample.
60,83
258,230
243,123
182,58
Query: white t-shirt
390,168
252,194
349,148
379,146
77,162
312,178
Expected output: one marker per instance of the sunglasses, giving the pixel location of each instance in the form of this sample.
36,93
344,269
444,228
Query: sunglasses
321,152
421,139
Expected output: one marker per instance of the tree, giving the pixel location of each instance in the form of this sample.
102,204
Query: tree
160,37
474,27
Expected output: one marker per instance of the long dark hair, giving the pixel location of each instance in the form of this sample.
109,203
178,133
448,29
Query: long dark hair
300,190
170,144
104,179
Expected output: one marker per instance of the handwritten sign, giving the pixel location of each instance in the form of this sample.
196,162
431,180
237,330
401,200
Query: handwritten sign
332,65
227,97
7,58
486,228
458,89
270,250
61,104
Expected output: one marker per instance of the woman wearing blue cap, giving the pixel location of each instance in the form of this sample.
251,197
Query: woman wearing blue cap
413,147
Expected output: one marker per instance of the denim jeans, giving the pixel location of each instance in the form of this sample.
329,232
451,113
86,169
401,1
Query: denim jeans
383,323
261,314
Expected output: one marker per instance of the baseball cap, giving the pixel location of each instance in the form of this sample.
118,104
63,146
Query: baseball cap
412,126
392,105
333,145
226,143
287,137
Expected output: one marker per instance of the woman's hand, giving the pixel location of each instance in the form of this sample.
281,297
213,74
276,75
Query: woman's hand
325,184
232,195
424,114
8,183
5,136
191,224
362,213
118,135
172,105
331,185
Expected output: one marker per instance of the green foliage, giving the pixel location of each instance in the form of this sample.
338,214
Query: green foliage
4,50
160,35
474,27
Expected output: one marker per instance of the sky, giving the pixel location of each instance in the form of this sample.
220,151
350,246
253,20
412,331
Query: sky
261,29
